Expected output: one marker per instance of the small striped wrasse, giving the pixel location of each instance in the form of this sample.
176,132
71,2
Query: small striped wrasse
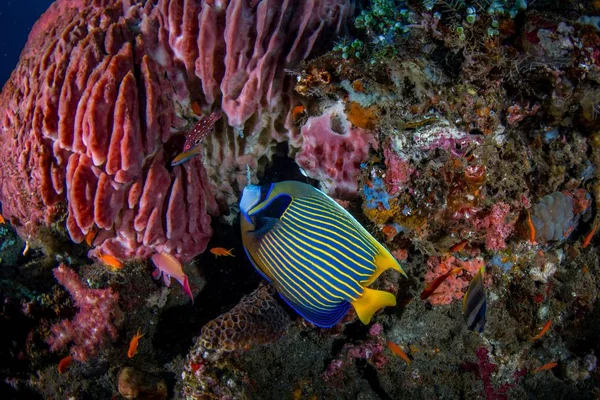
318,257
475,303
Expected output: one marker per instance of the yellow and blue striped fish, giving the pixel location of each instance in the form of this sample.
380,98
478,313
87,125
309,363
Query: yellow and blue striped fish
318,257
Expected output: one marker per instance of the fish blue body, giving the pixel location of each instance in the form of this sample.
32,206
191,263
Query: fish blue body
318,257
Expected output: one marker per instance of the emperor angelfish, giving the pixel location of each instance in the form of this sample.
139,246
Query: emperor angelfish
318,257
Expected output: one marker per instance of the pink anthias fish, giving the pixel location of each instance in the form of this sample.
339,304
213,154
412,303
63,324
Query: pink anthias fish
193,139
168,266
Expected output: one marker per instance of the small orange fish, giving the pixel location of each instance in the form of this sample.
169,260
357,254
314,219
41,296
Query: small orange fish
64,364
111,261
543,331
531,228
220,251
458,246
2,220
589,236
545,367
398,351
133,344
297,111
90,236
437,282
196,109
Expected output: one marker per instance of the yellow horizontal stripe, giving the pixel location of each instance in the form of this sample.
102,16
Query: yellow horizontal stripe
311,236
295,239
300,219
322,283
288,284
274,245
279,280
307,210
330,206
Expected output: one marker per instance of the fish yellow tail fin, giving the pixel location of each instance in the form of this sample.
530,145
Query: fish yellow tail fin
383,261
371,301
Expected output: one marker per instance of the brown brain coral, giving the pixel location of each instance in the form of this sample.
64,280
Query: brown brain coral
257,319
90,117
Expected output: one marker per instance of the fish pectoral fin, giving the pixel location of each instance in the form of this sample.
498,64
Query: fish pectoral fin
263,226
383,261
371,301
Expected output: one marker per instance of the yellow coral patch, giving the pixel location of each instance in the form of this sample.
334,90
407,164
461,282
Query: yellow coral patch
362,117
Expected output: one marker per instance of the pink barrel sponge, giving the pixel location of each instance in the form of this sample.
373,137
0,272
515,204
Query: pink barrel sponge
90,118
332,151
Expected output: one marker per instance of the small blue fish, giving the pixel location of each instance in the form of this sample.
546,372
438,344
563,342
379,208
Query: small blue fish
318,257
475,303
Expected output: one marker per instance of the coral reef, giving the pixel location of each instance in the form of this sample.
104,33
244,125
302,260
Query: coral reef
93,326
91,115
460,134
453,287
555,216
332,151
256,320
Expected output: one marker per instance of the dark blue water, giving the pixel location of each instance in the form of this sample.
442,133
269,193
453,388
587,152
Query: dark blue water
16,19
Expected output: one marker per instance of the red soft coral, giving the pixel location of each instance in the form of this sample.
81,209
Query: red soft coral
93,324
454,286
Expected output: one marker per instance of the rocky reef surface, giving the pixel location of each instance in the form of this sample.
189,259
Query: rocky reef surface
461,134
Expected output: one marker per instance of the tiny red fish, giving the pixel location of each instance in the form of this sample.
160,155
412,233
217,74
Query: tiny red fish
543,331
531,228
589,236
437,282
458,247
545,367
220,251
398,351
90,236
110,261
194,138
133,344
64,364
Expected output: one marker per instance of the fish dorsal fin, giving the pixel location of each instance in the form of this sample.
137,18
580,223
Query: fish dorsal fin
383,261
370,301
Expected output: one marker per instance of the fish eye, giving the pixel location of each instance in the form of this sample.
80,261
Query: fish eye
197,142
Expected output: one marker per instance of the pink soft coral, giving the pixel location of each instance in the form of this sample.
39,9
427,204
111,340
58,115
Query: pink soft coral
93,324
454,286
498,224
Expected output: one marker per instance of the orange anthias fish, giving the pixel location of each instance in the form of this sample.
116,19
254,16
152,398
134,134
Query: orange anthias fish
545,367
2,220
437,282
133,344
111,261
398,351
531,228
543,331
168,266
589,236
64,364
458,247
90,236
220,251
